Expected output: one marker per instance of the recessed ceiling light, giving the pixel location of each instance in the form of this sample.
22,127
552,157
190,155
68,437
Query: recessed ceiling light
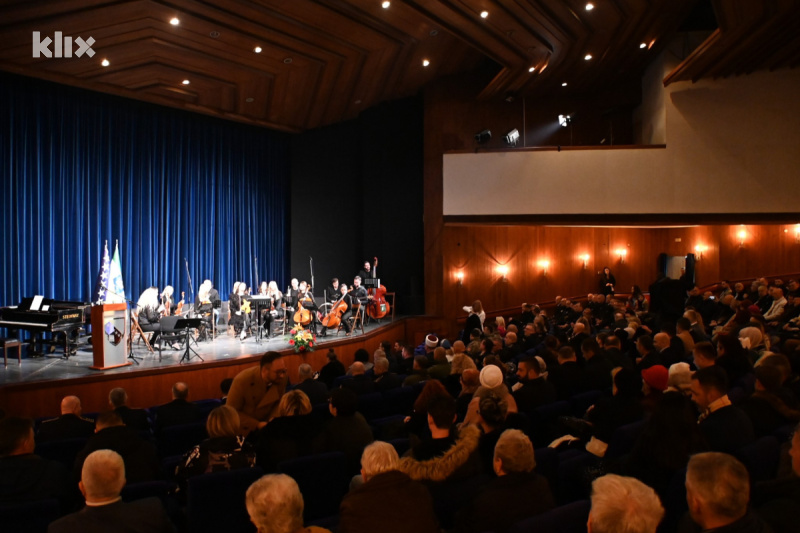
434,33
186,82
425,62
105,62
643,45
386,4
249,99
287,60
589,6
587,57
564,84
257,49
357,102
214,34
174,21
531,69
484,14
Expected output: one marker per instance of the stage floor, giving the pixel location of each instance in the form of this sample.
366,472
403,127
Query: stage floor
224,347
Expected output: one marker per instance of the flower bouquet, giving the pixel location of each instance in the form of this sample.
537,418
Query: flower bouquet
302,340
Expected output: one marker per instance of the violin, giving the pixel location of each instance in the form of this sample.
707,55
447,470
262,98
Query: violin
377,307
179,307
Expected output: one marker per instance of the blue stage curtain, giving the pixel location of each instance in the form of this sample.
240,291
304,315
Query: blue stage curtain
79,168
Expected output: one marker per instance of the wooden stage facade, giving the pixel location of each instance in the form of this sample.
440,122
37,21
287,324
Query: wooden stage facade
150,384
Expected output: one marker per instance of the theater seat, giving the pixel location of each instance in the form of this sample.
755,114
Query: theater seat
216,502
761,458
570,518
623,439
63,451
175,440
28,517
323,481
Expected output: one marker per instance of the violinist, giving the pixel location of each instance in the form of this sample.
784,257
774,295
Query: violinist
166,308
347,301
291,298
277,310
244,309
360,295
263,288
236,320
147,312
204,308
333,290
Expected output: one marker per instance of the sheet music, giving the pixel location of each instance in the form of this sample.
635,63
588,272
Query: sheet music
37,302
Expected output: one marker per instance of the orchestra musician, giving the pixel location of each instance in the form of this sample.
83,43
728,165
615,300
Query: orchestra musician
348,302
166,307
290,298
263,288
360,295
332,291
204,308
236,320
277,310
367,272
213,296
147,312
306,297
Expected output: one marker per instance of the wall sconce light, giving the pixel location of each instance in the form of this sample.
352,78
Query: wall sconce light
622,252
460,277
700,248
585,258
797,233
544,265
512,137
742,235
503,271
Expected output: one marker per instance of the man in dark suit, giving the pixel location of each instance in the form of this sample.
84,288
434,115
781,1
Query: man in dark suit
597,370
359,383
385,380
567,375
102,479
725,427
70,425
613,350
648,356
669,354
532,390
316,390
179,410
135,419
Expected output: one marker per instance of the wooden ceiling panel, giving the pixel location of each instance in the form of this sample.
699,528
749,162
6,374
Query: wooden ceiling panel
324,61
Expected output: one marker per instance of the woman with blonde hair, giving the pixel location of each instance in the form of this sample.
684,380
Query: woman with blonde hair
289,435
501,325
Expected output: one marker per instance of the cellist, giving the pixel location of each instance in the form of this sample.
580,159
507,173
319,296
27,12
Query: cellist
347,301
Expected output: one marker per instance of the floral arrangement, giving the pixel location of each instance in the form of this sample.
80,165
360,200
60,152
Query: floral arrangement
302,340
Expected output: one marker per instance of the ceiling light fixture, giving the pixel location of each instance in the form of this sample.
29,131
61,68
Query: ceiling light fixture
386,4
564,84
425,62
532,69
484,14
564,120
174,21
643,45
186,82
105,62
587,57
287,60
589,6
257,49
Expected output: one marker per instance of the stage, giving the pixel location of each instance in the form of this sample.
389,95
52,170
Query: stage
35,387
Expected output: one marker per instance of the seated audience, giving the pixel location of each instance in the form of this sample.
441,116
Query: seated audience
622,408
597,367
289,435
725,427
778,500
256,391
532,390
225,449
331,370
492,421
731,356
315,389
718,493
704,355
441,367
567,375
623,504
347,431
388,501
225,388
515,494
70,425
384,379
102,480
361,356
179,411
419,371
359,382
141,462
135,419
24,476
680,379
654,383
613,351
648,355
766,408
491,378
469,381
275,505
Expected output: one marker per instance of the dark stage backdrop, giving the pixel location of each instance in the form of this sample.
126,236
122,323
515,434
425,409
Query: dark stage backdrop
357,194
78,168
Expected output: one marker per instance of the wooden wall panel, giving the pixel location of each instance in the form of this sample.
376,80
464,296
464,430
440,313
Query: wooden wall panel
477,251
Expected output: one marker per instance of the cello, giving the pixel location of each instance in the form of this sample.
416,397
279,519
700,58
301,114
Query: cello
334,316
377,307
303,316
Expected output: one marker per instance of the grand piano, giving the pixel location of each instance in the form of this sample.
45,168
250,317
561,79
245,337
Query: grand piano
63,320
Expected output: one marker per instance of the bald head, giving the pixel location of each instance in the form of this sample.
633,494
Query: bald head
578,328
180,391
661,341
358,368
71,405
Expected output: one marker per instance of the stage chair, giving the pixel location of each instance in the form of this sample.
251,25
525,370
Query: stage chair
169,334
323,481
29,517
6,344
356,321
216,501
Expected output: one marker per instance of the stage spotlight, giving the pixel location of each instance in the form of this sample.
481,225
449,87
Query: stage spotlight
512,137
564,120
483,136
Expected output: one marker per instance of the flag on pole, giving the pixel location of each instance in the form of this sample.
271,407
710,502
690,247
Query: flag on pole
101,285
116,294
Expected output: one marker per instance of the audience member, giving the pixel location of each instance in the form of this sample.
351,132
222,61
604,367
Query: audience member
470,381
275,505
441,367
654,383
766,409
331,370
135,419
292,433
778,500
102,479
225,388
141,462
648,356
359,383
179,411
491,378
514,495
256,392
492,421
596,369
315,389
718,493
725,427
732,357
388,501
622,408
385,379
680,379
704,355
623,504
613,351
347,431
419,371
532,390
70,425
567,375
361,356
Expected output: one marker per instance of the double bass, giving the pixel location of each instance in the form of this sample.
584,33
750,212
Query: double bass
377,307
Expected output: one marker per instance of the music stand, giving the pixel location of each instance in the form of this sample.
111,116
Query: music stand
187,325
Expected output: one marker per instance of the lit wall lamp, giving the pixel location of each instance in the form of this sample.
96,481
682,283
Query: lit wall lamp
503,271
622,252
700,248
585,258
742,235
797,233
545,265
460,277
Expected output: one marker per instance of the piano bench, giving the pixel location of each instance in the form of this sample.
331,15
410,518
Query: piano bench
5,344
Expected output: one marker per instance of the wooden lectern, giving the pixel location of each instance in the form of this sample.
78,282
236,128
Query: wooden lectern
110,336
